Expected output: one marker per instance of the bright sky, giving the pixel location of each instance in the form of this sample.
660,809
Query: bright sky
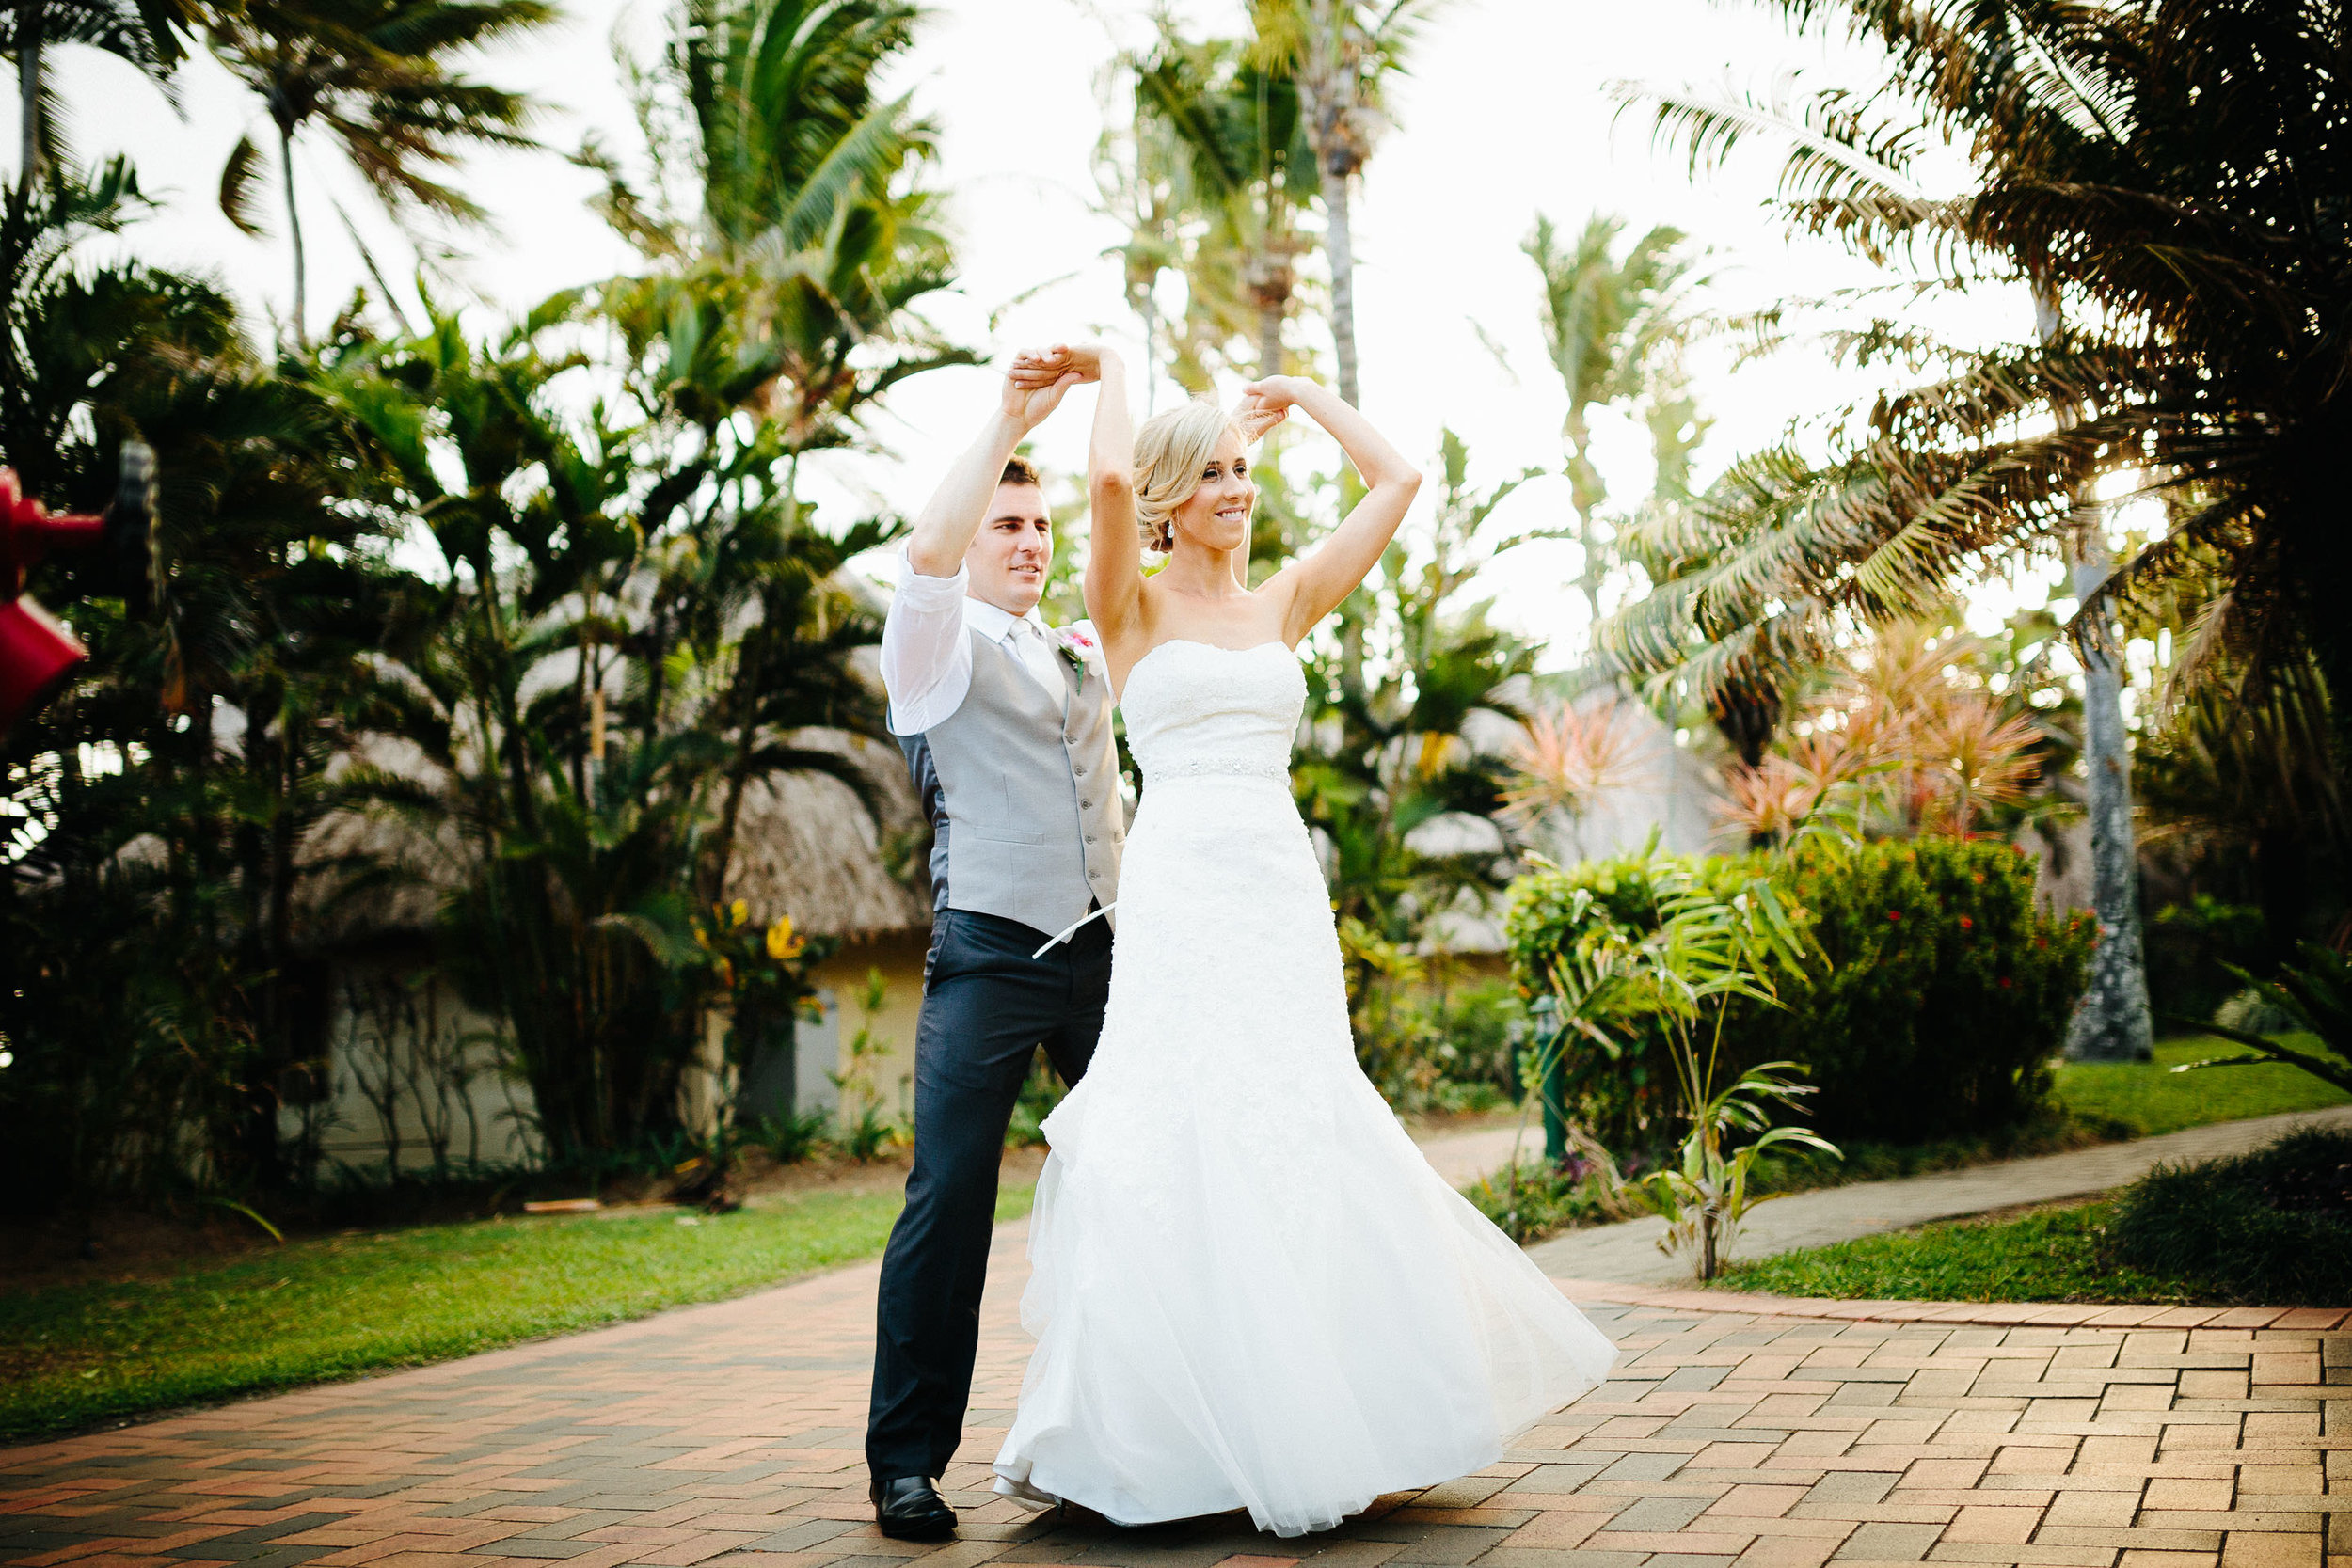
1506,114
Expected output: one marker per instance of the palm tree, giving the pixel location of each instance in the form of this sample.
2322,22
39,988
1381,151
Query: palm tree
2113,1021
1340,53
1143,180
2202,344
1247,172
2207,322
145,33
1615,328
377,76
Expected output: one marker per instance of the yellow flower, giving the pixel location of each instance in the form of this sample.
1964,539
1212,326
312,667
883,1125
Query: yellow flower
726,974
782,945
739,910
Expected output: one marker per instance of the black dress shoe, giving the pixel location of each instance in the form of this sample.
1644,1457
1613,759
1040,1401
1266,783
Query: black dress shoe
910,1509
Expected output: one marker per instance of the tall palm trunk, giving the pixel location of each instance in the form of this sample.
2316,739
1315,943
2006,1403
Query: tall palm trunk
1270,313
28,28
1586,493
1339,241
1149,309
2111,1024
293,232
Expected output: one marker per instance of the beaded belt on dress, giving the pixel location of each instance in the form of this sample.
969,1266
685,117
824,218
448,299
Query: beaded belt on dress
1231,767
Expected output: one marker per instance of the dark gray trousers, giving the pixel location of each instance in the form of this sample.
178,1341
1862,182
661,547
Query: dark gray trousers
987,1006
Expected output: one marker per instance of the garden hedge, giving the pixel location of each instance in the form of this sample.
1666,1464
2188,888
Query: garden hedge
1940,996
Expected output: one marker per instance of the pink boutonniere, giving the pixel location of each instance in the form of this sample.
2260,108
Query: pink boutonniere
1077,646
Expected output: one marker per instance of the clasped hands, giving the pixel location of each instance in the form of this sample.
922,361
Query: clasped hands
1041,376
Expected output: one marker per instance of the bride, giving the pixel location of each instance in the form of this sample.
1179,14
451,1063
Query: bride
1250,1289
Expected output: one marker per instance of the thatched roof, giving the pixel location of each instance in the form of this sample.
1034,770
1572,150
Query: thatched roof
806,845
808,848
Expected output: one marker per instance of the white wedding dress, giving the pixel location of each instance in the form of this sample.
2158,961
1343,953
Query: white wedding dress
1250,1289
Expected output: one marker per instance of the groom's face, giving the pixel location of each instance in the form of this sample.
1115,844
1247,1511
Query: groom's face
1015,545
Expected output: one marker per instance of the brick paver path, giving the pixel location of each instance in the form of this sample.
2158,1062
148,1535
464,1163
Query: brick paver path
1770,1437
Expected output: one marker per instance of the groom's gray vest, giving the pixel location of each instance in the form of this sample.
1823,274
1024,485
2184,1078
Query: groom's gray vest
1023,794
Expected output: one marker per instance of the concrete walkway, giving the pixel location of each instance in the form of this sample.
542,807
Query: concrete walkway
1628,1252
1462,1158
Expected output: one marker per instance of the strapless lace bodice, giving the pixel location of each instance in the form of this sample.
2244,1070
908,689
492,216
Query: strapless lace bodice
1194,710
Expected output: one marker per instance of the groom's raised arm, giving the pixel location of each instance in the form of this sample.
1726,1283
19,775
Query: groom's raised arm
925,658
949,521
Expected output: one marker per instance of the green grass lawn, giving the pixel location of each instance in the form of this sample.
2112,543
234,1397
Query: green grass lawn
2152,1099
2054,1255
339,1305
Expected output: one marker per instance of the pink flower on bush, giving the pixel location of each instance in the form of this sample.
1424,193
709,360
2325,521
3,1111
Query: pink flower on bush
1895,915
1966,923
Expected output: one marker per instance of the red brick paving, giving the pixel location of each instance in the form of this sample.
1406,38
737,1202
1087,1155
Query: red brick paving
1737,1433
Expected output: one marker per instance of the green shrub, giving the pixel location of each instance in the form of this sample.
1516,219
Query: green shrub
1938,1000
2190,949
1449,1048
2272,1228
1536,1199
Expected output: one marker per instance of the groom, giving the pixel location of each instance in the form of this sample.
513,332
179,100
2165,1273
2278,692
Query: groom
1006,727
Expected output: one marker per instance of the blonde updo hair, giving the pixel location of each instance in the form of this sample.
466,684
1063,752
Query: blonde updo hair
1172,449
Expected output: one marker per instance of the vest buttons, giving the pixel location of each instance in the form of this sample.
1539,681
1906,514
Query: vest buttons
1089,838
1078,773
1086,804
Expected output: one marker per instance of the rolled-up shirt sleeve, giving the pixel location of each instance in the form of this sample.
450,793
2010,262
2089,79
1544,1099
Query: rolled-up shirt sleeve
926,657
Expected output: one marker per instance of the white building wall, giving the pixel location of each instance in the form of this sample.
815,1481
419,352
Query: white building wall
408,1066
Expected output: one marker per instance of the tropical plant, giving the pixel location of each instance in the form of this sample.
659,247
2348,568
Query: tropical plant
1228,122
1569,757
763,975
2199,350
789,235
1614,327
154,876
144,33
1906,737
864,1128
2315,996
2240,795
376,77
636,624
1704,1196
1613,983
1340,54
2189,333
1939,995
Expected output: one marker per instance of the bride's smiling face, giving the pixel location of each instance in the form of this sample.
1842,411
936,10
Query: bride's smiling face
1217,514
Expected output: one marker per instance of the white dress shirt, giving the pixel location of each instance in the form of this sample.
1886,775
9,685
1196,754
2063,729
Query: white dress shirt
927,647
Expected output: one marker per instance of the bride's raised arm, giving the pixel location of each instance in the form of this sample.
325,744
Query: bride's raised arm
1317,582
1114,577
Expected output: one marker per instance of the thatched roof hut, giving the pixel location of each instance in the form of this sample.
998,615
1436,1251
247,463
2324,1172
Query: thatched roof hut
807,846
